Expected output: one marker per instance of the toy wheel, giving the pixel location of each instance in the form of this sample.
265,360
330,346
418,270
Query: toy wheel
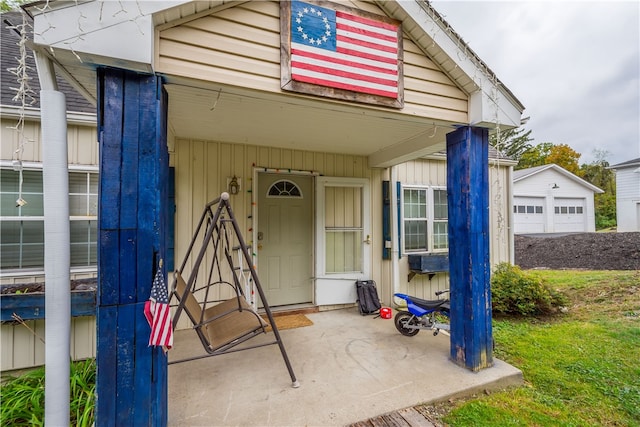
403,318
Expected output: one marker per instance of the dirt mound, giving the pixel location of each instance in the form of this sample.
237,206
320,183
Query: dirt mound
591,251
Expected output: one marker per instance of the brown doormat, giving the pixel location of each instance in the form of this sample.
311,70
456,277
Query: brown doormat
289,321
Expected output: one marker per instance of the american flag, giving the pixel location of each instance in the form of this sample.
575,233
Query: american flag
158,313
336,49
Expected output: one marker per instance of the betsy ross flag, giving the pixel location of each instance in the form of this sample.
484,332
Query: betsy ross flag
158,313
336,49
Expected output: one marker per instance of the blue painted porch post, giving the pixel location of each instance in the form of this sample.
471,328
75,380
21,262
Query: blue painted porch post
469,265
132,227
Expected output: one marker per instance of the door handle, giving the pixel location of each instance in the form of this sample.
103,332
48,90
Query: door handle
368,240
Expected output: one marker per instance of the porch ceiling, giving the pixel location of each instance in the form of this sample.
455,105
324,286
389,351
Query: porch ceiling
301,123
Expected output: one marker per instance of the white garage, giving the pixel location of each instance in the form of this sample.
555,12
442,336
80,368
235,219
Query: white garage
528,214
550,199
569,215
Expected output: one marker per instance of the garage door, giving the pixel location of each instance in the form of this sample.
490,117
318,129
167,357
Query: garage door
528,215
569,215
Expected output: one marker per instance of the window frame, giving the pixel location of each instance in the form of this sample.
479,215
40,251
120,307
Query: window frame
90,193
430,219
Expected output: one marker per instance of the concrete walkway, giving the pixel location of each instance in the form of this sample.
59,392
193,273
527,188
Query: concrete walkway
350,368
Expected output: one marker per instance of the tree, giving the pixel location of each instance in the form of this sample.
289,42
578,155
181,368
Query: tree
512,142
9,5
546,153
535,156
565,157
599,174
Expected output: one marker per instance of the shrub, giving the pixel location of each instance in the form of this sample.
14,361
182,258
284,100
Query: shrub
23,396
514,291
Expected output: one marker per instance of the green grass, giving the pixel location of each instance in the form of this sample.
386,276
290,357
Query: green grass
581,368
23,397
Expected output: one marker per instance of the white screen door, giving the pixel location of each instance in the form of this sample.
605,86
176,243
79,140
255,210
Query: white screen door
343,238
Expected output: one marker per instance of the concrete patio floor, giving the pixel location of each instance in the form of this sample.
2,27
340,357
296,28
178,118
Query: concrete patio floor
350,368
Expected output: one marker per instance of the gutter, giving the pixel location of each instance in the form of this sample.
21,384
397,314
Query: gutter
77,118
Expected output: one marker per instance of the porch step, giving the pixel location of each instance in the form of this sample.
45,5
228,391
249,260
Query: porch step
408,417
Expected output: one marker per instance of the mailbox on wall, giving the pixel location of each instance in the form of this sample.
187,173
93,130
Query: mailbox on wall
428,264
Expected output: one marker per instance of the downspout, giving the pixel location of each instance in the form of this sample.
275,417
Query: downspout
395,251
56,245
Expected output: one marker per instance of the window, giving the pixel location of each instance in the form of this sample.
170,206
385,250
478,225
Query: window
529,209
571,210
22,227
425,219
284,188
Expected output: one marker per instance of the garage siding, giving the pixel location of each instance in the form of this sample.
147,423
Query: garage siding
567,204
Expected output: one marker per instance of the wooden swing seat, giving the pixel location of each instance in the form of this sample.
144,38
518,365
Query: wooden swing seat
223,325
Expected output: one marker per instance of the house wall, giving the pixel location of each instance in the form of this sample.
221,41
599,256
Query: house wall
202,168
541,185
82,141
21,344
628,198
222,48
433,172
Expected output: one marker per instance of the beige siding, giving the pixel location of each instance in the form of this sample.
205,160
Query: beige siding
202,168
20,347
421,172
240,46
500,214
23,346
82,142
434,173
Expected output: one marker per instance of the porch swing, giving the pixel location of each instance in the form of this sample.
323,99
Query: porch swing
222,324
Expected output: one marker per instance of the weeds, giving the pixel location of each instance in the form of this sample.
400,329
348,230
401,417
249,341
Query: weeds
581,368
23,396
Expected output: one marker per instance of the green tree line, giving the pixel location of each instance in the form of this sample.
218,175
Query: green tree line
517,143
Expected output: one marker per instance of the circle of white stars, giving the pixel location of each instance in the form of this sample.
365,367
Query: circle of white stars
312,40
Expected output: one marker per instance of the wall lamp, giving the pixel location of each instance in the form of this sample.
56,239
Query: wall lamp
555,186
233,185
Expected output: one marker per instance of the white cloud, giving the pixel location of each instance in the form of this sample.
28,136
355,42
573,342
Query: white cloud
574,65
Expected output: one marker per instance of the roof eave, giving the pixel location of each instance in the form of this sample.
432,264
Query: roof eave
454,56
564,172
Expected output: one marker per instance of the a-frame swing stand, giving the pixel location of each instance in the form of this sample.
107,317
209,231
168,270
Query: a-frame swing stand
222,315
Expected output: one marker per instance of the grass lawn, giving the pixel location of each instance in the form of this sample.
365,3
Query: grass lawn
581,368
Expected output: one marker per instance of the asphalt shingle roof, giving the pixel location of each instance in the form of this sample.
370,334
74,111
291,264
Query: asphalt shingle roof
9,58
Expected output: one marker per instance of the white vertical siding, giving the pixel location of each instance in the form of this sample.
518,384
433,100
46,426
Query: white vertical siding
628,198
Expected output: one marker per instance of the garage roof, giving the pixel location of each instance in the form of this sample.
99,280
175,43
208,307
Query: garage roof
521,174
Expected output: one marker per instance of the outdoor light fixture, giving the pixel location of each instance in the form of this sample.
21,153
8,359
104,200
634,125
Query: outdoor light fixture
555,186
233,185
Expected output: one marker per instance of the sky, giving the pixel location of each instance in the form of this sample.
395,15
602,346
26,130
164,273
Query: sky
575,65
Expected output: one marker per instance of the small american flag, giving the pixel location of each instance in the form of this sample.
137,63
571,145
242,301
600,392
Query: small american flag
158,313
336,49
